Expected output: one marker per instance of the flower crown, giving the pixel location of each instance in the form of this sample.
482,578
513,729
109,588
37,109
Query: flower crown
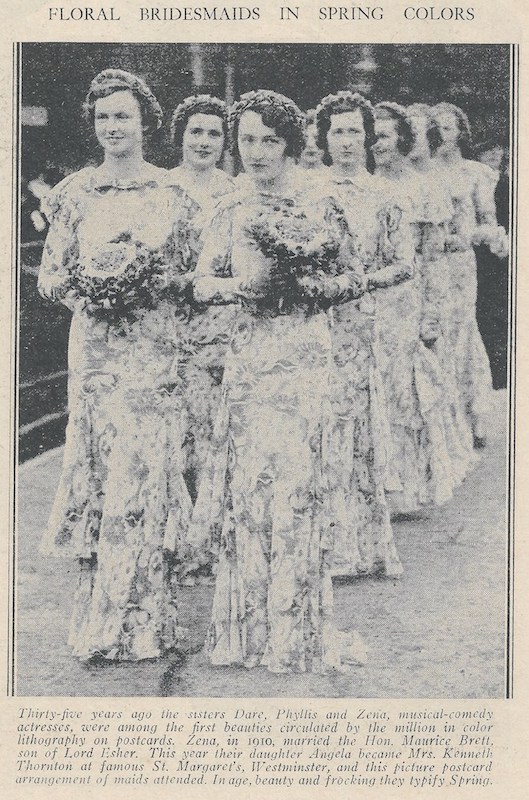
120,79
341,102
184,109
394,109
266,98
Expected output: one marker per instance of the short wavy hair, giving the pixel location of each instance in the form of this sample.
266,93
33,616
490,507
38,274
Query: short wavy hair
118,80
277,112
432,130
197,104
341,103
396,112
465,131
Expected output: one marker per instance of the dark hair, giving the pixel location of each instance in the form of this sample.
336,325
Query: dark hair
197,104
398,113
277,112
432,131
340,104
465,133
117,80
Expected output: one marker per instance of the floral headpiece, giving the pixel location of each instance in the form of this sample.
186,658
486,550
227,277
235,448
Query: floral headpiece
341,102
197,104
394,109
265,100
115,80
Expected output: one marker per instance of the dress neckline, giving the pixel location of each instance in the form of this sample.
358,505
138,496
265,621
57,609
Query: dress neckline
149,175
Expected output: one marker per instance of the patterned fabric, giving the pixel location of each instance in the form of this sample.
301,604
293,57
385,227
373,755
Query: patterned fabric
360,444
421,471
122,505
204,335
473,221
264,500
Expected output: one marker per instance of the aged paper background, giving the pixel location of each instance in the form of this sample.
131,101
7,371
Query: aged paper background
27,20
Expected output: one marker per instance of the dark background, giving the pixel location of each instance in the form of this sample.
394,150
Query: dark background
56,77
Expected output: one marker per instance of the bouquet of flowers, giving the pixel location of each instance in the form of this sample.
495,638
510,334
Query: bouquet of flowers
303,256
122,279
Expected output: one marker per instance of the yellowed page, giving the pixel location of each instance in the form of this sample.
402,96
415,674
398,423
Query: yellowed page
440,706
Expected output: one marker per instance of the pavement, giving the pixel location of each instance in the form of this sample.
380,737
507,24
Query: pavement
439,631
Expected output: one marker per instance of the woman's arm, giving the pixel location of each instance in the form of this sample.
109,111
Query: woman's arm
213,282
60,250
396,248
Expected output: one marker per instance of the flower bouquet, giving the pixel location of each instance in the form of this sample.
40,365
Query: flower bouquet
123,278
303,255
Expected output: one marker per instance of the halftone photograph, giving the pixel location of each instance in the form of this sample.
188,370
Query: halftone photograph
264,370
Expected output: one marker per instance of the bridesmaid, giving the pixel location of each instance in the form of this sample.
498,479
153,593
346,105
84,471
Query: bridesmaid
412,375
360,436
265,493
199,134
436,210
122,503
472,185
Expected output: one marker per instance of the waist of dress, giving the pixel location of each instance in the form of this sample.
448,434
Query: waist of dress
265,310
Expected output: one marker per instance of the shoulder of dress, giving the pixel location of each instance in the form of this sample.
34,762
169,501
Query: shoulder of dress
480,171
66,192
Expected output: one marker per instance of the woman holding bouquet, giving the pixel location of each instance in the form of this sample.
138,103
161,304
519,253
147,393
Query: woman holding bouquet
360,438
199,133
115,254
274,248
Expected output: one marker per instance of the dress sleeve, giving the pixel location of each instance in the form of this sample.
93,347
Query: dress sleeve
182,251
432,277
61,246
213,280
487,229
395,249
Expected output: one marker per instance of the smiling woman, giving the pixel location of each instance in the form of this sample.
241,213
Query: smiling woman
114,254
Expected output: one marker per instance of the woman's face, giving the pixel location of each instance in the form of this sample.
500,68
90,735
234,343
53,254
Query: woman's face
203,141
346,139
311,156
421,146
448,125
262,151
118,124
386,147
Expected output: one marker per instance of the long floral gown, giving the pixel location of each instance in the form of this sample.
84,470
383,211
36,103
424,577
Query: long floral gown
472,186
361,447
265,495
122,505
204,333
421,470
434,211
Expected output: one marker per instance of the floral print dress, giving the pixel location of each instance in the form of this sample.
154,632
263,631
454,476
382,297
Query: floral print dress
421,471
361,445
204,333
122,505
473,221
263,502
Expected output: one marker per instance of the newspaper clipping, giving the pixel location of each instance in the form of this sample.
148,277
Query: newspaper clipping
262,398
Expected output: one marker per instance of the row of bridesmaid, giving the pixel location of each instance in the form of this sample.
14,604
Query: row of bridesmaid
262,369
